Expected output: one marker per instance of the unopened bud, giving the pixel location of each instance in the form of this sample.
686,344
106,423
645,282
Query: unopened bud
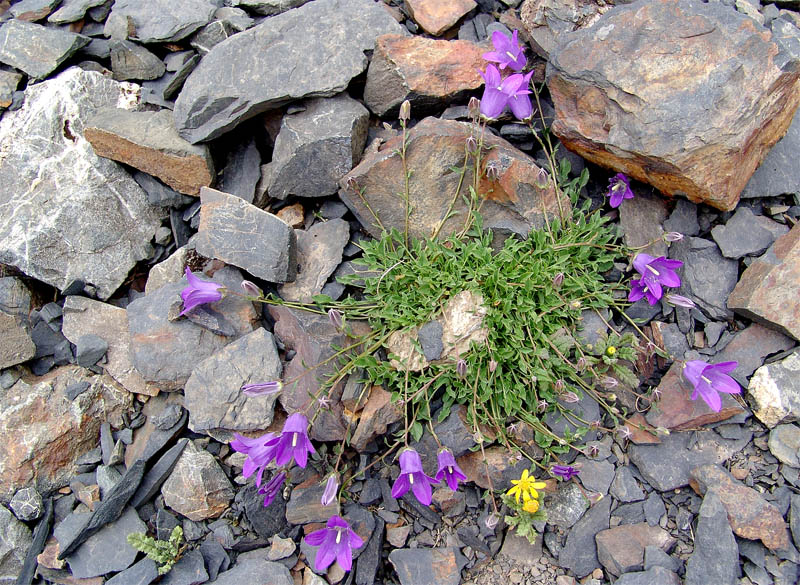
680,301
405,111
251,289
541,406
558,280
559,385
472,144
492,171
542,179
474,108
609,382
492,519
673,237
570,397
461,368
335,317
581,364
351,184
492,366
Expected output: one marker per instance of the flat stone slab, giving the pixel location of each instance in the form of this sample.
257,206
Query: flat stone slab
241,234
197,487
436,16
335,33
162,21
8,85
36,50
148,141
686,96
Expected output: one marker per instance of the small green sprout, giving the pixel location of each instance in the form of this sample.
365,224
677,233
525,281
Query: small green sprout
164,552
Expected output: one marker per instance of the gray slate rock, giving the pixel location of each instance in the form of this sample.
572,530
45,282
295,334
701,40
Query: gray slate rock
189,570
319,253
40,535
779,173
707,277
15,543
317,147
666,466
72,10
90,349
794,519
335,33
255,570
784,443
430,340
212,394
746,234
370,558
683,219
624,486
640,221
242,171
197,487
157,474
163,21
16,345
107,550
32,10
269,7
215,558
36,50
211,35
716,557
579,554
413,565
93,234
27,504
596,475
132,61
9,80
567,506
266,522
157,192
655,576
142,573
241,234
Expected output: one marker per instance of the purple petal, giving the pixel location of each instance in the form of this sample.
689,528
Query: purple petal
410,461
615,200
355,540
344,556
491,76
723,383
493,102
637,291
296,423
640,263
283,451
692,370
521,107
725,367
317,537
501,42
422,489
326,554
708,394
400,486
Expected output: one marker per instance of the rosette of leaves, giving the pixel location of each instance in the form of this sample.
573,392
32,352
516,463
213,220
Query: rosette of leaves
522,521
613,355
164,552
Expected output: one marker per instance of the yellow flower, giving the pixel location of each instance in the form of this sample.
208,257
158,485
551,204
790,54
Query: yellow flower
611,350
526,486
531,506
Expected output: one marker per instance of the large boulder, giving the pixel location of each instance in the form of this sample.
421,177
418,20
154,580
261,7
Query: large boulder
686,96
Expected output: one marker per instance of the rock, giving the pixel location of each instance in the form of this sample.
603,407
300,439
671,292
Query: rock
498,465
16,345
148,141
215,558
749,347
784,443
72,10
318,146
621,549
547,20
8,85
93,234
157,192
429,73
683,219
622,117
211,35
212,394
157,474
596,475
230,228
746,234
304,504
454,432
36,50
266,521
766,292
197,487
32,10
132,61
715,558
90,349
140,573
566,506
370,558
434,147
163,21
435,16
750,515
63,430
428,566
654,576
669,337
242,171
13,546
269,7
397,535
166,352
777,175
774,391
675,410
189,570
708,277
625,488
640,222
379,412
216,98
319,253
27,504
255,570
107,550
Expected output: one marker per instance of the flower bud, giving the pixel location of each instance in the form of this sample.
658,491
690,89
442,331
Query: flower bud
492,171
559,385
558,280
335,317
569,397
405,111
492,366
609,382
474,108
541,406
472,144
492,519
673,237
461,368
542,179
351,184
251,289
581,364
679,301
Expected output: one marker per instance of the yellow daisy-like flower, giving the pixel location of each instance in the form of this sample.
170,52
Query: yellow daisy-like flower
531,506
526,487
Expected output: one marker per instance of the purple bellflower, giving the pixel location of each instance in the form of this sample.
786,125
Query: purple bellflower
258,454
199,292
709,379
331,488
413,477
262,388
292,442
449,469
272,488
656,272
336,542
565,472
511,91
619,188
640,289
507,52
516,87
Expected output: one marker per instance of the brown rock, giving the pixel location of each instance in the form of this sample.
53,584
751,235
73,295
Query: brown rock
499,466
378,413
305,504
767,290
55,429
677,411
686,96
621,549
436,16
149,142
16,345
427,72
547,20
49,556
294,215
750,515
642,433
197,487
513,201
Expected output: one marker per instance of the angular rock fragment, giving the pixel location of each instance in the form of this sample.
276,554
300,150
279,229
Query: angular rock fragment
8,85
13,546
774,391
746,234
197,487
36,50
72,10
162,21
378,413
621,549
32,10
429,73
750,347
784,443
304,505
428,566
255,570
16,345
240,234
269,7
547,20
107,550
242,171
708,277
132,61
715,558
93,233
778,174
767,290
435,16
579,554
317,147
620,85
147,141
217,97
514,202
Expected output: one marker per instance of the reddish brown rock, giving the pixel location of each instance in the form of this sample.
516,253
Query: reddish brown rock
149,142
513,202
750,515
642,433
43,432
621,549
378,413
498,465
436,16
767,290
686,96
675,410
427,72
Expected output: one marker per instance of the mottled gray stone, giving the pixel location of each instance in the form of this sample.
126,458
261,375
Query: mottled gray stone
89,349
567,506
746,234
16,345
9,80
784,443
666,466
715,558
774,391
242,171
107,550
707,277
255,570
27,504
624,486
132,61
580,551
430,340
596,475
778,173
413,565
241,234
640,221
157,474
36,50
13,545
269,7
157,192
92,233
32,10
335,33
319,252
142,573
683,219
654,576
189,570
317,147
160,21
72,10
236,17
212,394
